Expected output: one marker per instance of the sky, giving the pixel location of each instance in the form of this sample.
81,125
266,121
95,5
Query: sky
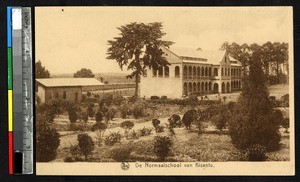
71,38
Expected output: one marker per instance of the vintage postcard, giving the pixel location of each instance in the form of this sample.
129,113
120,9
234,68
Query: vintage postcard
164,91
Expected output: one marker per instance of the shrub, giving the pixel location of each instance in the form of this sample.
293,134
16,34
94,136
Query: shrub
83,98
111,113
47,142
164,97
75,153
159,129
73,116
162,147
127,125
286,124
154,97
123,110
86,144
68,159
107,98
112,138
121,153
90,111
188,118
257,153
145,131
118,99
85,117
99,126
98,117
132,99
88,93
138,110
134,134
285,100
155,123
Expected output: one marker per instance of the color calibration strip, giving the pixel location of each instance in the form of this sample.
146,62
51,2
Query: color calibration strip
20,105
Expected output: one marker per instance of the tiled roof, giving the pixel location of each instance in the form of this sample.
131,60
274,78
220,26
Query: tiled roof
68,82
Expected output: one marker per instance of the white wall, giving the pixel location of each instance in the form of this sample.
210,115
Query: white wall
169,86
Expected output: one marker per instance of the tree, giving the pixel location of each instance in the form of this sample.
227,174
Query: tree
139,47
41,71
86,144
84,73
254,120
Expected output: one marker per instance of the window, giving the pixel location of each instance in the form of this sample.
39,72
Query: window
202,71
167,71
64,95
160,71
190,71
198,71
206,71
184,71
209,72
222,72
177,71
194,71
215,71
225,71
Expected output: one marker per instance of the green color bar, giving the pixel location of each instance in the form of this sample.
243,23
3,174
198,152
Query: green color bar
9,65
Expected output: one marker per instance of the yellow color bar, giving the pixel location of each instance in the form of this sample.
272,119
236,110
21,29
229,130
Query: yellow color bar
10,110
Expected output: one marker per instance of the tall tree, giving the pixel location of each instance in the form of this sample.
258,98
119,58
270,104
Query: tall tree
84,73
139,47
41,71
280,56
254,120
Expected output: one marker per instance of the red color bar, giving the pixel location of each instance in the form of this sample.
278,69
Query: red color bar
10,153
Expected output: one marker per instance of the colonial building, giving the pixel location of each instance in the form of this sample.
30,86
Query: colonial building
193,72
72,89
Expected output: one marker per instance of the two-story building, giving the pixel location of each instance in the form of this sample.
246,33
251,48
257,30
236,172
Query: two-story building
192,72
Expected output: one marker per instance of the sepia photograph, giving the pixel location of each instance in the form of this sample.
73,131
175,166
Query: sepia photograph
164,91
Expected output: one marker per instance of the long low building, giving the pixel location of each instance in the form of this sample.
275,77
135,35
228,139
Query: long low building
192,72
72,89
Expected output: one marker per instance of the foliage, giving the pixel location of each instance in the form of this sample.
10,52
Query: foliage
86,144
111,113
47,142
72,112
85,117
164,97
90,111
175,121
254,121
154,97
41,71
256,153
98,117
127,125
140,46
188,118
121,153
285,100
145,131
123,110
286,124
138,110
52,108
155,123
112,138
134,134
107,98
99,126
84,73
118,99
162,147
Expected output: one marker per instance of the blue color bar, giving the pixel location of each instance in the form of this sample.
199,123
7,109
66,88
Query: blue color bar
9,26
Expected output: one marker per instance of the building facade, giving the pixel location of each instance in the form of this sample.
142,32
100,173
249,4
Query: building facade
193,72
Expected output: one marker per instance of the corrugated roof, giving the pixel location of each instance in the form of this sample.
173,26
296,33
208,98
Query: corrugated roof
210,57
69,82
